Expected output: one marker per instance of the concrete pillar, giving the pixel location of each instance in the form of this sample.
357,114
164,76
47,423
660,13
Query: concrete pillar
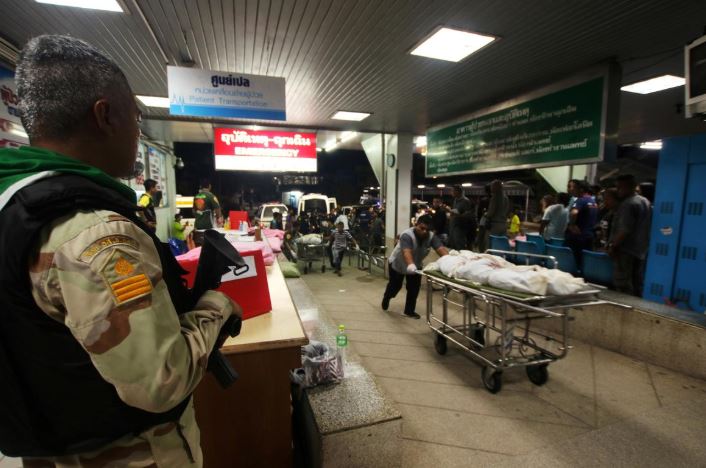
398,185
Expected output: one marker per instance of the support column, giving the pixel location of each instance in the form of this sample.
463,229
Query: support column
398,185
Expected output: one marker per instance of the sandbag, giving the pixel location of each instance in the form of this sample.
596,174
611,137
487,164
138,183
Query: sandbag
289,270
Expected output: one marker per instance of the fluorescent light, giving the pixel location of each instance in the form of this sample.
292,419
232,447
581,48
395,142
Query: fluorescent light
331,146
652,145
440,185
345,136
18,131
154,101
466,184
653,85
421,186
346,115
420,141
107,5
452,45
319,149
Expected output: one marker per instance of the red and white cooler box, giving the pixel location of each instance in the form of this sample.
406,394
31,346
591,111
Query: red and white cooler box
250,289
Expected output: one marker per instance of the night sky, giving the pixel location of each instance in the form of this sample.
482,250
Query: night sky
344,173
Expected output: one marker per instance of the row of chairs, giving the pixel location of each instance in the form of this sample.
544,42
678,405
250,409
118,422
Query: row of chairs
597,267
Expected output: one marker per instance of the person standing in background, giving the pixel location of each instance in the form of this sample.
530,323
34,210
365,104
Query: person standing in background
483,205
630,237
583,217
377,231
206,208
515,227
440,219
147,203
555,217
462,224
498,208
276,222
605,214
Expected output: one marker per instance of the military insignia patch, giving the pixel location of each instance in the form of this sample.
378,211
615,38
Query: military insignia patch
125,277
90,252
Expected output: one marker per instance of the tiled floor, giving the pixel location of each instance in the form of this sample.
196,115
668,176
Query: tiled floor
599,408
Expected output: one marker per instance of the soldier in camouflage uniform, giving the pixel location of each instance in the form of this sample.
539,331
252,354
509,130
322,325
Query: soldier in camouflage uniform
97,272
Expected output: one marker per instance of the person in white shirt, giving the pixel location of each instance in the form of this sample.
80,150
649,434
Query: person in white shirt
556,216
342,219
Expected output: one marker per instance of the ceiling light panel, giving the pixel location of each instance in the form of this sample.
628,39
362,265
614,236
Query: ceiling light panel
452,45
347,115
106,5
653,85
154,101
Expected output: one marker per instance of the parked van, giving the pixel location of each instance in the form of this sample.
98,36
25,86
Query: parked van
312,202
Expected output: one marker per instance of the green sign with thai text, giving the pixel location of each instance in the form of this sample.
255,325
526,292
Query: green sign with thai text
562,127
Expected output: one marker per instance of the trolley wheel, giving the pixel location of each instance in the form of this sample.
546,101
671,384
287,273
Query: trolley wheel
440,344
479,334
538,375
492,379
323,268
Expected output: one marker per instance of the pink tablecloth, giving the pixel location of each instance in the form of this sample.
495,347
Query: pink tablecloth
267,253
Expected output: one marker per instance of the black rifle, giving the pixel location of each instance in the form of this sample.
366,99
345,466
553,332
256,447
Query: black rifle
218,257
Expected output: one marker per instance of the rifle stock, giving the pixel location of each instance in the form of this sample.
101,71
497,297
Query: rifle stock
218,257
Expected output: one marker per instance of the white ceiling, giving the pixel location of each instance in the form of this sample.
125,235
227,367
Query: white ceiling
353,54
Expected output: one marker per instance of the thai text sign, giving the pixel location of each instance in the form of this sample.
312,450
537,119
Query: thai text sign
562,127
266,151
208,93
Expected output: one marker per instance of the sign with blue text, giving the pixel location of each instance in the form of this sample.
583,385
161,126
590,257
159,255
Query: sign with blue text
208,93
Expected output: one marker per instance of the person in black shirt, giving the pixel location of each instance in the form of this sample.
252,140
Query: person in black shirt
440,219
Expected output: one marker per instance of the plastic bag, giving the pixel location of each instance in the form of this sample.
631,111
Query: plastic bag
309,239
562,283
449,263
520,280
320,365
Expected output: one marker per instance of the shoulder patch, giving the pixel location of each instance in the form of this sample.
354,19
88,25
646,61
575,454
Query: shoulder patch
103,243
125,277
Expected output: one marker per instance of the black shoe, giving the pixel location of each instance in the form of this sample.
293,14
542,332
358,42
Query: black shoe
413,315
385,303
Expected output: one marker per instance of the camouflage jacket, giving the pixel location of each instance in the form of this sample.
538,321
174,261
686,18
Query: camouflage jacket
136,341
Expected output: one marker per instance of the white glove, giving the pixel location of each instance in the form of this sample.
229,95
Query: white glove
411,269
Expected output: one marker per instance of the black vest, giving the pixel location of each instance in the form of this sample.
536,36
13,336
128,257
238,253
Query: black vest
52,399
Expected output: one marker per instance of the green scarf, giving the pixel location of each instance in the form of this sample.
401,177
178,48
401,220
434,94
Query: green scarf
16,164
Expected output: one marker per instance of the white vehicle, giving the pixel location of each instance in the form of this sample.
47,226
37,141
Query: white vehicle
315,202
265,213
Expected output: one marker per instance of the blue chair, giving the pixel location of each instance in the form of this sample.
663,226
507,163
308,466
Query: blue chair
178,247
598,268
527,247
564,256
539,240
556,241
501,243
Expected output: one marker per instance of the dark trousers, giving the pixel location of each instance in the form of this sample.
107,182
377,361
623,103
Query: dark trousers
414,282
337,256
577,246
628,274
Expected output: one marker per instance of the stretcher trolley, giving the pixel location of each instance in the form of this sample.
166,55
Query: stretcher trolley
311,253
496,325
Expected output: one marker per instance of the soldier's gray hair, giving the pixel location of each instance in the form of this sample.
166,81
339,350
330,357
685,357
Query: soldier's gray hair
59,78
